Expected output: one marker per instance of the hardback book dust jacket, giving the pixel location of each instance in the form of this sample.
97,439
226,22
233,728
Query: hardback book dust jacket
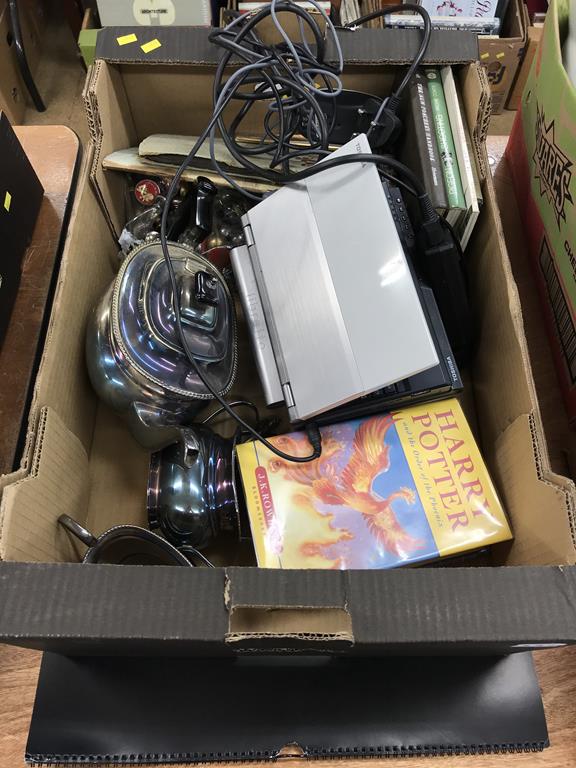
389,490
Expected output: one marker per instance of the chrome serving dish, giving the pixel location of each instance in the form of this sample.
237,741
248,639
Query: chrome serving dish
135,358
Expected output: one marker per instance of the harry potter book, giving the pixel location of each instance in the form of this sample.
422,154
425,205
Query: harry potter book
389,490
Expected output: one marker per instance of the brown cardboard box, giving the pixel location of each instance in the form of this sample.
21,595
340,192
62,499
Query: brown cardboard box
13,93
501,56
533,38
81,459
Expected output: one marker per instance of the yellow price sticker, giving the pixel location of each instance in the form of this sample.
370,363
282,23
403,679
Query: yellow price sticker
7,201
125,39
151,46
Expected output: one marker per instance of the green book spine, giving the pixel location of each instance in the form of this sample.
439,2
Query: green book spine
445,140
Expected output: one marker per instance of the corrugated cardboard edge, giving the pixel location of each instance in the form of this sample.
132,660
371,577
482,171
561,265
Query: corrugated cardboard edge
191,45
99,178
180,611
66,349
113,608
34,412
277,611
548,499
64,352
95,128
56,484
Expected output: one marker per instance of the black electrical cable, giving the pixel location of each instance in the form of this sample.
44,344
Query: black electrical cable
286,74
234,404
394,100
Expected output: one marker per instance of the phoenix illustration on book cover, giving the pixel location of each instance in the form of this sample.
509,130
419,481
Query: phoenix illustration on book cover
382,494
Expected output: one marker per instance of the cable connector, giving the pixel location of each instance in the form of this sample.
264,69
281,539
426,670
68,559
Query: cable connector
384,129
315,438
434,235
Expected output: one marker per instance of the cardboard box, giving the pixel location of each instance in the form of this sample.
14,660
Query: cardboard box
81,459
501,56
540,152
14,97
534,34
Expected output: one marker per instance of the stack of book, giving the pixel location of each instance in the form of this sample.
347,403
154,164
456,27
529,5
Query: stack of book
491,12
480,16
438,148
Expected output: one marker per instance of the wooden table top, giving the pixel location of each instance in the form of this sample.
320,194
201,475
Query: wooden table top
556,671
53,151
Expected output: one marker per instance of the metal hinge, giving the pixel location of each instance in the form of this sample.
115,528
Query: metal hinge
288,396
248,235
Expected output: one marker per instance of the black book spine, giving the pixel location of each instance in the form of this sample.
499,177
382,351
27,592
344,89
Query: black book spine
424,157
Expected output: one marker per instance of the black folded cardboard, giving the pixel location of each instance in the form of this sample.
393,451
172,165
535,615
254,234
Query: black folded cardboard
105,609
81,460
103,713
360,46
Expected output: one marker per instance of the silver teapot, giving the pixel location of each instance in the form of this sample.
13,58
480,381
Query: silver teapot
136,362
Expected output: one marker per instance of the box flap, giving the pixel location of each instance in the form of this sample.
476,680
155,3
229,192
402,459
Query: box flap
191,45
62,380
148,610
546,500
400,46
451,605
56,484
177,45
113,608
500,330
104,86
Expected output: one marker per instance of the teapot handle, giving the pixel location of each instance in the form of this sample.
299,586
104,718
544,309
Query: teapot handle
77,530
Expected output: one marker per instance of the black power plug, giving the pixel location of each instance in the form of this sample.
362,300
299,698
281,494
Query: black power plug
441,265
384,129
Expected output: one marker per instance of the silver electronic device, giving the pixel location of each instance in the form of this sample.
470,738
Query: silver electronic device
327,292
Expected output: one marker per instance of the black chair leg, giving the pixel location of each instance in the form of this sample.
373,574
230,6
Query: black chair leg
21,56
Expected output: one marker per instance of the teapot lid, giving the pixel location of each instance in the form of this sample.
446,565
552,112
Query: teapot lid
144,322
